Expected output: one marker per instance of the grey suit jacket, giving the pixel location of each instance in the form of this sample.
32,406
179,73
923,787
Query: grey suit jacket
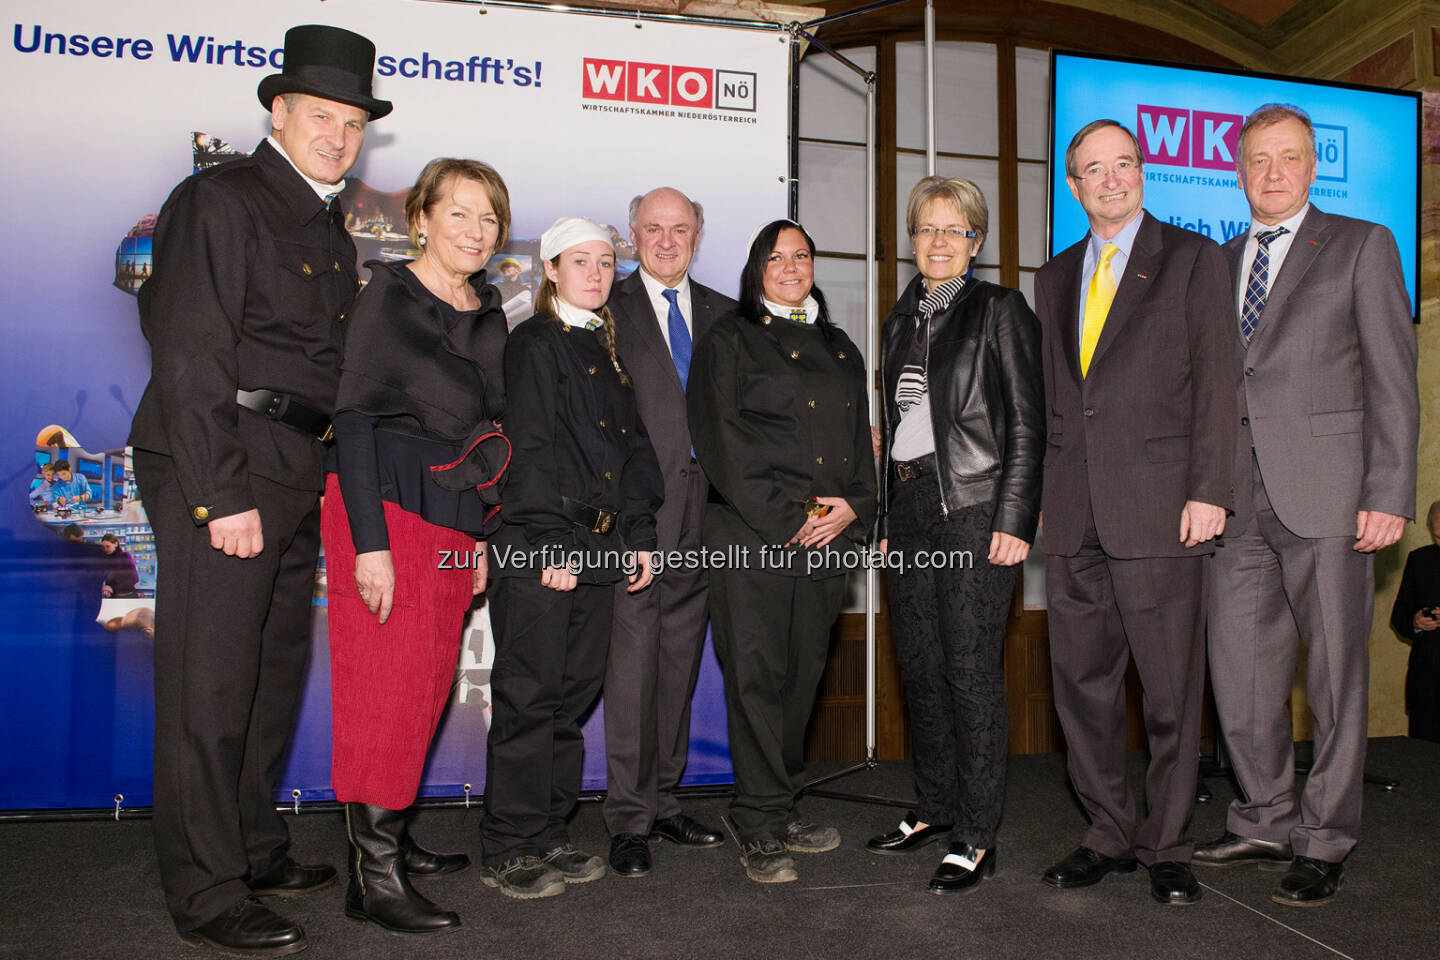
1327,392
1153,423
645,355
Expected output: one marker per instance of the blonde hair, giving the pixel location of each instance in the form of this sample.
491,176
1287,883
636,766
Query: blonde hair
962,193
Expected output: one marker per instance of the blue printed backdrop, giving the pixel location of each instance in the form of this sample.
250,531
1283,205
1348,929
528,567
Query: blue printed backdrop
111,106
1188,122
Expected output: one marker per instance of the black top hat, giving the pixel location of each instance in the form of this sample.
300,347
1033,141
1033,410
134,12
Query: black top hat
326,62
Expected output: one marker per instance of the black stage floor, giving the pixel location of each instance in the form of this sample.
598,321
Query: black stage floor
89,889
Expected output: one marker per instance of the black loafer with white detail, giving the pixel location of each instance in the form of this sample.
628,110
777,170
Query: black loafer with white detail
907,838
962,869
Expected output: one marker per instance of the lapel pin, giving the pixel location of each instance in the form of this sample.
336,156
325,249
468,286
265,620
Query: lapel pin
1143,276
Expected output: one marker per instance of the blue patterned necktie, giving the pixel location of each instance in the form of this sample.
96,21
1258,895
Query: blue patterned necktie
1257,288
680,342
330,200
593,323
798,315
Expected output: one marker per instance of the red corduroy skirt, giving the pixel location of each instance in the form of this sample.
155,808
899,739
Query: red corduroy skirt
389,683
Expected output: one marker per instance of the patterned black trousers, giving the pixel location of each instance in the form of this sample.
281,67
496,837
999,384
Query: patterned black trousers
947,618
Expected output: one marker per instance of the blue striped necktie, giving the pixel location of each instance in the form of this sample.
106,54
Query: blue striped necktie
1257,287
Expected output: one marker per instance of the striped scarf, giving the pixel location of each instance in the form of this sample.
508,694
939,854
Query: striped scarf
913,382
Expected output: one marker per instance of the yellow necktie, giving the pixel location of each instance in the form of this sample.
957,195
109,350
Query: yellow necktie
1097,306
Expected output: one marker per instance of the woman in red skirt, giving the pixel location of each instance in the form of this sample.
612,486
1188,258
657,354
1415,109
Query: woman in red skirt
417,455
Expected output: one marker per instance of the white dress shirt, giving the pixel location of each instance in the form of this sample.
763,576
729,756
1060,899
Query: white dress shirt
661,306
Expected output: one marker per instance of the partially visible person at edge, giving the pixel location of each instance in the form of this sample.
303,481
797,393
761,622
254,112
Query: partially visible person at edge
1416,619
779,417
410,491
579,516
963,441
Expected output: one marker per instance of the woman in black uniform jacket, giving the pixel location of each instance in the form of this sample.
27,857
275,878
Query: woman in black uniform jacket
963,443
579,514
778,413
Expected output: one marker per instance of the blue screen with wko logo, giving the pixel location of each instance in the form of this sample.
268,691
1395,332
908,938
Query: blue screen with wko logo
1188,121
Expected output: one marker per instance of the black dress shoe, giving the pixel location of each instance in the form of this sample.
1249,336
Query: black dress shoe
249,929
1085,867
1309,883
420,862
1172,883
291,879
685,831
962,869
1232,849
905,838
629,855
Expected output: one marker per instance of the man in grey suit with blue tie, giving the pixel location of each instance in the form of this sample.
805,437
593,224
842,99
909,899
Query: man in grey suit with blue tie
1324,477
658,634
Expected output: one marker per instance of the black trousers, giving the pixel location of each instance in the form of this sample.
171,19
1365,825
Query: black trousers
232,638
772,634
947,619
550,651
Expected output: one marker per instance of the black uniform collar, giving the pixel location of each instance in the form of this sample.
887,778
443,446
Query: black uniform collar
291,187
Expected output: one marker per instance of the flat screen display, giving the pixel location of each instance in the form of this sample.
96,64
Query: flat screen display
1188,122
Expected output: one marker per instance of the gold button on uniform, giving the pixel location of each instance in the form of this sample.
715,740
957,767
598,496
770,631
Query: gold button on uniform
609,475
812,404
765,320
305,269
820,460
602,423
336,265
201,513
794,354
841,354
593,368
341,318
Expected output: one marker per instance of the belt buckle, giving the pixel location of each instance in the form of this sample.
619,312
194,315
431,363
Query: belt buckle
604,522
906,471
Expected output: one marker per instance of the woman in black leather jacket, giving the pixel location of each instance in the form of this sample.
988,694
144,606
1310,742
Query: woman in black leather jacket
962,445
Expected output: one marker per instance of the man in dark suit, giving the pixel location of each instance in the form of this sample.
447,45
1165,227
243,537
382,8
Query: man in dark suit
1136,320
254,273
658,634
1324,476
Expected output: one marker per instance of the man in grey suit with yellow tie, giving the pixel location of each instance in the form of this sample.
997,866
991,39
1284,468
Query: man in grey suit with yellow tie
1140,436
658,634
1324,476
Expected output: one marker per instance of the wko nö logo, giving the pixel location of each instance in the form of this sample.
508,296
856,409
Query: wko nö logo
1180,137
662,84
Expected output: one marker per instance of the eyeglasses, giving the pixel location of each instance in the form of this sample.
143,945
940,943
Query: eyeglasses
954,233
1121,169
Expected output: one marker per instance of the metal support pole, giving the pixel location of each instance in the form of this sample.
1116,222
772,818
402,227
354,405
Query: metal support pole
930,88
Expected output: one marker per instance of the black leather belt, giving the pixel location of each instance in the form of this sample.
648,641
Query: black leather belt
284,408
906,470
594,519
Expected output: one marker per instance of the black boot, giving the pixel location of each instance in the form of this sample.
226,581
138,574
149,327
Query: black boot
380,890
420,862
